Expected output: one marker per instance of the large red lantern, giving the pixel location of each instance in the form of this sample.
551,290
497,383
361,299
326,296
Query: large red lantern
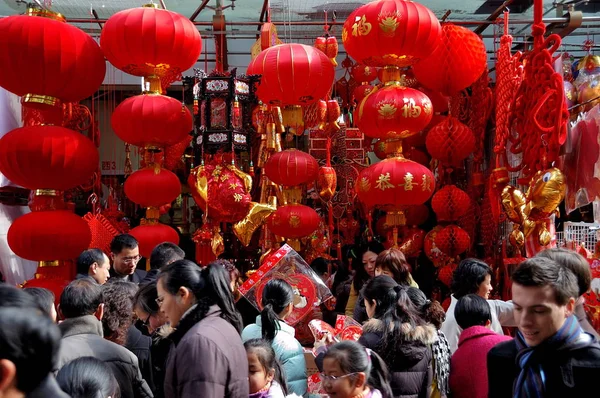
152,187
291,167
455,64
151,235
150,42
47,157
450,203
450,141
390,32
292,74
151,120
394,111
49,236
293,221
43,59
395,182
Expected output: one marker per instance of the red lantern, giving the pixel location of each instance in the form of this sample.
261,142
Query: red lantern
363,73
151,120
49,236
292,74
395,182
450,203
452,240
379,150
293,221
151,187
47,157
329,46
361,92
455,64
418,156
44,56
439,101
394,111
291,167
151,235
450,141
315,114
149,42
390,32
445,274
416,215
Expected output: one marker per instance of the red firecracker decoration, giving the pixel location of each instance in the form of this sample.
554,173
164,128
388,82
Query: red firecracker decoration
450,141
152,187
390,32
293,221
329,46
450,203
452,240
291,167
151,235
459,60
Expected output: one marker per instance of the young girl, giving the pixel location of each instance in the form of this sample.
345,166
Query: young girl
353,371
265,374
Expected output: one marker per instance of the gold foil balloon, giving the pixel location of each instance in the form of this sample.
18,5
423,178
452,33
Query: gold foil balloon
544,236
516,238
258,213
546,191
513,202
587,91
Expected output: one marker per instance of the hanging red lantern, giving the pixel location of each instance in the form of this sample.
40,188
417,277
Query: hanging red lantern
450,141
49,236
151,120
329,46
47,157
43,59
379,150
151,42
395,182
360,92
291,167
456,63
152,187
363,73
418,156
439,101
452,240
292,74
390,32
315,114
151,235
450,203
393,111
293,221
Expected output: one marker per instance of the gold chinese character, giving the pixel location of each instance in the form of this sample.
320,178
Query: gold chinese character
408,182
234,185
410,108
361,27
426,183
237,197
387,110
364,185
383,182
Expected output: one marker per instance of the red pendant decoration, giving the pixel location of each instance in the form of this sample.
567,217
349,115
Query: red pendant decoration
450,142
152,187
151,235
291,167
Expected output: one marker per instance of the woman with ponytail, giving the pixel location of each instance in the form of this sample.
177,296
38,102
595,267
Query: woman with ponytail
400,336
208,358
278,302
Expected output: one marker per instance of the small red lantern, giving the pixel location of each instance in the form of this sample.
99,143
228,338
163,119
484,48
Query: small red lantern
390,32
292,74
293,221
452,240
457,62
149,42
152,187
151,120
47,157
450,141
394,111
43,56
49,236
450,203
361,92
363,73
379,150
291,167
151,235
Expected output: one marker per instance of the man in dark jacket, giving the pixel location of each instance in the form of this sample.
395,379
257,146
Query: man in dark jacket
163,254
81,306
93,263
125,255
551,356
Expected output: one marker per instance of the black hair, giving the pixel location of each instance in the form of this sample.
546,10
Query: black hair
88,377
573,261
467,277
118,310
31,342
321,266
87,258
394,308
165,253
361,275
123,241
276,295
472,310
145,298
541,271
430,310
10,296
80,297
353,358
209,285
268,360
43,297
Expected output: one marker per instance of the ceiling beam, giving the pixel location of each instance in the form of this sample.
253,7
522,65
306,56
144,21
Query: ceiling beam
493,16
201,7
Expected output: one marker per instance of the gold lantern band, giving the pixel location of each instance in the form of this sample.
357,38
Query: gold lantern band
154,87
54,263
38,12
390,73
46,192
150,5
393,148
40,99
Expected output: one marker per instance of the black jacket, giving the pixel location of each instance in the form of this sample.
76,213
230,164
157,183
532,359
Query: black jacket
137,277
411,371
151,276
140,344
48,388
568,374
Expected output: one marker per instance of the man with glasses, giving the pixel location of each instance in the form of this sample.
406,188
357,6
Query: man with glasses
125,255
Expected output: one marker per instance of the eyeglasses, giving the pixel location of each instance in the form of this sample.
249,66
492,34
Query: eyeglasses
333,379
129,260
159,301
